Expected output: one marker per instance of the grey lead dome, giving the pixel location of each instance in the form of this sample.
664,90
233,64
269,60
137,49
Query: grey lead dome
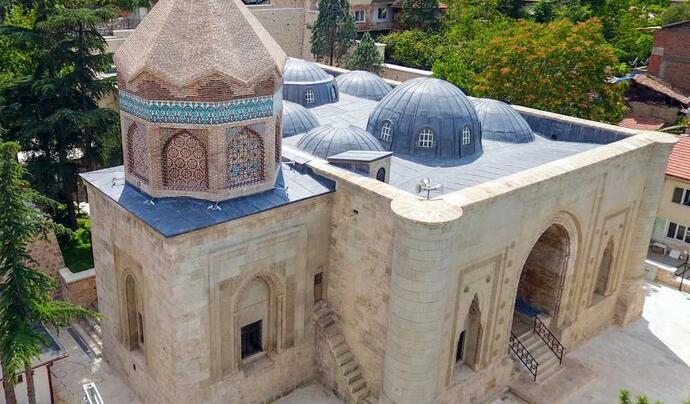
307,84
363,84
502,122
329,140
427,117
297,119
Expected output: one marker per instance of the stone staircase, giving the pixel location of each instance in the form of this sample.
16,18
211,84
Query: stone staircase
89,330
549,365
348,371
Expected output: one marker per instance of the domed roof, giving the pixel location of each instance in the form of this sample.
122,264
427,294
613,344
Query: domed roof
329,140
363,84
222,37
427,117
502,122
297,119
299,71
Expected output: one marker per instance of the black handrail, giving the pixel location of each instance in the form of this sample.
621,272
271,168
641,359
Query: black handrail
547,336
523,354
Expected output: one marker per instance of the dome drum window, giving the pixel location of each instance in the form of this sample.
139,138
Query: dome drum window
309,96
466,136
386,131
426,138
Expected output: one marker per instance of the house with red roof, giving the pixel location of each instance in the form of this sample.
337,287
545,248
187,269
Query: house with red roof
672,226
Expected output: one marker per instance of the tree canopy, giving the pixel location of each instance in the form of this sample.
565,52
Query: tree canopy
52,111
366,56
26,292
333,32
420,14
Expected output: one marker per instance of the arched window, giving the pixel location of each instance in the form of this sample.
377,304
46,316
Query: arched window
309,96
245,159
137,153
253,313
184,163
467,352
603,273
135,318
466,136
381,174
334,94
386,131
426,138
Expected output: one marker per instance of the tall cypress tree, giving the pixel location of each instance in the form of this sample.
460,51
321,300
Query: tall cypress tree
333,32
25,292
53,113
366,56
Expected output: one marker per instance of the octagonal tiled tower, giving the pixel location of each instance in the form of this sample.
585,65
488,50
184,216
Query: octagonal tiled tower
200,92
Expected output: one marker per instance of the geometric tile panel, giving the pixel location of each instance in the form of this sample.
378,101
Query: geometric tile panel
194,112
245,158
184,163
137,153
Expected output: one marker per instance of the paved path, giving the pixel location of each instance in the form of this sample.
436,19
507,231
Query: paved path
650,356
71,373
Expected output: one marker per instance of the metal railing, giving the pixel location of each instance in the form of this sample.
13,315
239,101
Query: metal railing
119,23
547,336
523,354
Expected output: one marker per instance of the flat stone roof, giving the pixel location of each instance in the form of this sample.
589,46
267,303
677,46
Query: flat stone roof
499,159
175,216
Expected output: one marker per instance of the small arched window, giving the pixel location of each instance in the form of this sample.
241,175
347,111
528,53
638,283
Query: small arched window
426,138
466,136
381,174
386,131
334,94
309,96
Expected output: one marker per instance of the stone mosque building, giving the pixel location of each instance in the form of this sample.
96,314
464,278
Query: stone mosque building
398,245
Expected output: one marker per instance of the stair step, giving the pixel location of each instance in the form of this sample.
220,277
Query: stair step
345,358
336,339
354,377
360,394
340,349
357,384
349,368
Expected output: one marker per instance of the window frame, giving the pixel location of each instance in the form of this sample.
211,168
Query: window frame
309,96
364,16
388,135
678,232
466,136
425,138
385,13
681,196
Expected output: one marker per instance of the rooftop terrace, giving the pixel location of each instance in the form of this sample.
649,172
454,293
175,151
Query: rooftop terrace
499,159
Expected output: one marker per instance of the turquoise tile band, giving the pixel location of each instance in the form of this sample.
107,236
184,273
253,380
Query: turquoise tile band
196,113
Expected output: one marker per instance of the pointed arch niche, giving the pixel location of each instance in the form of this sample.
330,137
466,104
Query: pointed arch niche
252,320
468,342
602,277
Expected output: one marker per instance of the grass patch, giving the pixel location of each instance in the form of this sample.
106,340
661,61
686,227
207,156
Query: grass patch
76,246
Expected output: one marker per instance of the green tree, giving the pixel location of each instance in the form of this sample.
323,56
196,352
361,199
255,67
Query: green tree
676,13
53,113
333,32
544,11
412,48
559,67
421,14
25,292
366,56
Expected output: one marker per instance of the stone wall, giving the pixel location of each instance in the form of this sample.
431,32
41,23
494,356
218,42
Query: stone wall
608,194
79,288
47,255
402,73
190,285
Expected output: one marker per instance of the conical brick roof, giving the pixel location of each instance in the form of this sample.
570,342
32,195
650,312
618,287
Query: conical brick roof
181,41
